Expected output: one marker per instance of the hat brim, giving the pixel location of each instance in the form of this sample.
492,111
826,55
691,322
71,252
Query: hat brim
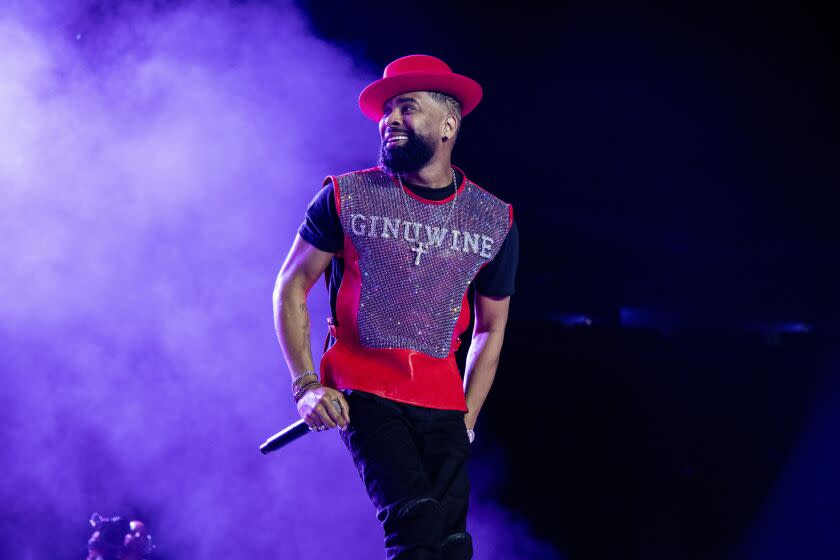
465,90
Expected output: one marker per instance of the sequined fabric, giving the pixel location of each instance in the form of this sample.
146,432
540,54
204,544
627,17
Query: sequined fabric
408,300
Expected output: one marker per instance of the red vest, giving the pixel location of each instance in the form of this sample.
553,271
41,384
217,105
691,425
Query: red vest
402,302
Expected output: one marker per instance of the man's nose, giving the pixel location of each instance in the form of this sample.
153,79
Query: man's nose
392,119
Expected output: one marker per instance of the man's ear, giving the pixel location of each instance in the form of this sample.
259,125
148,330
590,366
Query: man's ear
449,127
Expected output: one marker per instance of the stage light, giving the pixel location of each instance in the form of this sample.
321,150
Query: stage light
793,328
571,319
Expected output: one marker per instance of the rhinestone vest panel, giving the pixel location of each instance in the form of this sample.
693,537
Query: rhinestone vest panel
415,265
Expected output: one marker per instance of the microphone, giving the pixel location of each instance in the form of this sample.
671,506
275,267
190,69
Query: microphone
289,434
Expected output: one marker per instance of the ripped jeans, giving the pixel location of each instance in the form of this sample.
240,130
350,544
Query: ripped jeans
413,462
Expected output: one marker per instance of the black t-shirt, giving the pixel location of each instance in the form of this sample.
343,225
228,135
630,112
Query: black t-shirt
322,228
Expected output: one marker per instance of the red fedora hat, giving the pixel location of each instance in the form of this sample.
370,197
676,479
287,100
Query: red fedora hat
418,72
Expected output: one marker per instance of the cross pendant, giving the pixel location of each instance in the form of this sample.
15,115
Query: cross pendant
420,249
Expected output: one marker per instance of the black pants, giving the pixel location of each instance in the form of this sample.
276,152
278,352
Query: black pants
413,462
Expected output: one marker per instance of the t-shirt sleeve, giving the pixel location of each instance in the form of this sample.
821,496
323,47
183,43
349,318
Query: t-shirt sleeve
496,278
321,226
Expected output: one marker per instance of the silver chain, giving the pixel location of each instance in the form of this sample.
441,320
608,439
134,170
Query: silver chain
454,200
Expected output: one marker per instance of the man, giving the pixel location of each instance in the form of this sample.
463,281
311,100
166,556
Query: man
401,243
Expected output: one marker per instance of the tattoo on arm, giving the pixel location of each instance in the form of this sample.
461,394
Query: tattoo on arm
307,344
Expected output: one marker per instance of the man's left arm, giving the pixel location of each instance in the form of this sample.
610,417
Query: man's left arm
483,358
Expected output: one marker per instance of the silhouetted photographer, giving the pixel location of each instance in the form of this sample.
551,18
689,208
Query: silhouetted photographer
117,538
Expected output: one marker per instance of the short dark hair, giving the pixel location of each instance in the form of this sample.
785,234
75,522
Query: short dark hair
451,103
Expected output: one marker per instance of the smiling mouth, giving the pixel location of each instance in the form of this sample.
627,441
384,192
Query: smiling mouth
396,138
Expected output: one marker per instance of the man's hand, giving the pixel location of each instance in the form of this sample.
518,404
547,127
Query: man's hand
324,408
469,421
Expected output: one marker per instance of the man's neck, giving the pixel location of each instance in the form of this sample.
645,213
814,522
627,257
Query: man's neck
435,175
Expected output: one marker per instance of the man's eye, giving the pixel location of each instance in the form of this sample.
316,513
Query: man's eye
408,108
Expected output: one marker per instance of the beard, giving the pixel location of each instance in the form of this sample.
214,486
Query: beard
413,155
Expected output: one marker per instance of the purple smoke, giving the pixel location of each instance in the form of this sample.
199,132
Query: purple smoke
154,166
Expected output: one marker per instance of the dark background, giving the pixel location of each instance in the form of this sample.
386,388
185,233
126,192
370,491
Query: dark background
672,170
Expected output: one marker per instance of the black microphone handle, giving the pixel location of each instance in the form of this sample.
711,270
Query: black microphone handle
287,435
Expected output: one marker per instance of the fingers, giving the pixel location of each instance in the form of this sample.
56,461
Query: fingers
336,410
326,412
331,410
314,421
345,408
339,409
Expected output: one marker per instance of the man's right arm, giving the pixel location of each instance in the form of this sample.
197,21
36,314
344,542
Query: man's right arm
303,267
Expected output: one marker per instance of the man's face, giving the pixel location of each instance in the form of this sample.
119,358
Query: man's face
410,131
